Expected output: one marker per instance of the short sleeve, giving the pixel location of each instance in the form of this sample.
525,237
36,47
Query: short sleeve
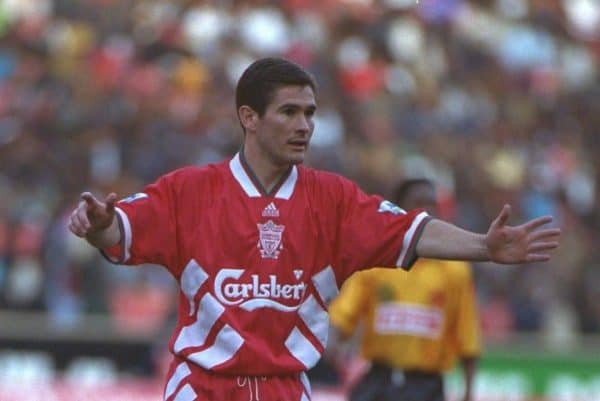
467,325
374,232
346,310
148,229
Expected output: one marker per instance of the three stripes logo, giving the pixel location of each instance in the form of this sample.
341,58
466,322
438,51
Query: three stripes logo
270,211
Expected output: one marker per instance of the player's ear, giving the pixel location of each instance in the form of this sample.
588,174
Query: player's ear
248,118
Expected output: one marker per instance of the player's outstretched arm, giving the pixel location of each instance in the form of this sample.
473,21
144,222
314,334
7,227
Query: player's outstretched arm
95,221
525,243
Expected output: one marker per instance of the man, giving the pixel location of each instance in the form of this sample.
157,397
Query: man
415,324
260,244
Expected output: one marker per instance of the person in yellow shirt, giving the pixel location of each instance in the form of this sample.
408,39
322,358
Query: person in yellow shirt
415,324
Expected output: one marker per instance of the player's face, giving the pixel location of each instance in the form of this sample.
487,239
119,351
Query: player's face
284,131
421,196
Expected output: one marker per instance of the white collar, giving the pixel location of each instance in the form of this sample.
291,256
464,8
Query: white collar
285,191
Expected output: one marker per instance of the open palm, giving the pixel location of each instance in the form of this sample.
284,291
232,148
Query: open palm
525,243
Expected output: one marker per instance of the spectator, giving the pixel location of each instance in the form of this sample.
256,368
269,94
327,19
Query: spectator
103,85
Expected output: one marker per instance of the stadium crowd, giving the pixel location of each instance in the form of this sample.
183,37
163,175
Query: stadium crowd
497,101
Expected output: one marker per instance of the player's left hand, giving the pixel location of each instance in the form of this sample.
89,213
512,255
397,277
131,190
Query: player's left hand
526,243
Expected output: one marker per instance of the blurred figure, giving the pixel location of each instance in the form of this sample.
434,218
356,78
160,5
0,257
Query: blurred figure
110,95
415,324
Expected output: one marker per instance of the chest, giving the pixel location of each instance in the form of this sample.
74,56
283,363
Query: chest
427,286
257,252
262,236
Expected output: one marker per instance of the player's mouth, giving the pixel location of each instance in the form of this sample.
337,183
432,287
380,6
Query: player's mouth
298,144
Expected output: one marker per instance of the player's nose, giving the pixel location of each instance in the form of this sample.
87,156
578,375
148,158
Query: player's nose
303,124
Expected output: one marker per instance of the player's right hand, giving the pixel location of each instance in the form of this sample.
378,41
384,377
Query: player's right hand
92,215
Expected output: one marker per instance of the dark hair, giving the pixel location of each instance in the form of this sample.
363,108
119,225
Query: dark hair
263,77
405,186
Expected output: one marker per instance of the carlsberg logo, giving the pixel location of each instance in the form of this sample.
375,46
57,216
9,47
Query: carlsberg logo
254,294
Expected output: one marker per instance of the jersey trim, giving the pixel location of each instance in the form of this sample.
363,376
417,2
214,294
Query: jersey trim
125,230
191,280
181,372
186,393
227,344
195,334
326,284
240,175
126,234
302,349
287,188
408,256
315,318
306,383
250,184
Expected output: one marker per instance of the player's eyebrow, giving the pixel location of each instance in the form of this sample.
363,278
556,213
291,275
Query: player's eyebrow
311,107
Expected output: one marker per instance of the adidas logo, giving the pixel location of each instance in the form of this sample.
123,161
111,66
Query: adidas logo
270,211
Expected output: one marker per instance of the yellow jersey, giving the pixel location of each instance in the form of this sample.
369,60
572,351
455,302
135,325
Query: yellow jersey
418,320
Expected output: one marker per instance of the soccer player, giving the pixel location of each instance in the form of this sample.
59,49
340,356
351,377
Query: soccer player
415,324
260,244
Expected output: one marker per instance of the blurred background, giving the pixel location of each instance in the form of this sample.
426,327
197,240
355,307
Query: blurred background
497,101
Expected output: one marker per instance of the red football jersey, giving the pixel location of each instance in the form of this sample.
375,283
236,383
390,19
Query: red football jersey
257,271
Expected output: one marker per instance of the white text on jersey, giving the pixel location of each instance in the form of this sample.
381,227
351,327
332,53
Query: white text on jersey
254,294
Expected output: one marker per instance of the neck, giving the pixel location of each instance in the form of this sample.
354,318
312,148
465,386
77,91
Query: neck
267,173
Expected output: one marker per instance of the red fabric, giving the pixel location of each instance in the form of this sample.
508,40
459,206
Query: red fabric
248,266
215,387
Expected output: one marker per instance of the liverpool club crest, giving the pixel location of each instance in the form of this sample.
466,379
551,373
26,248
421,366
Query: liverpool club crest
270,239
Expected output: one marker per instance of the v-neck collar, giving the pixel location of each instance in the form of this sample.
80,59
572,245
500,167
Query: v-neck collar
244,175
